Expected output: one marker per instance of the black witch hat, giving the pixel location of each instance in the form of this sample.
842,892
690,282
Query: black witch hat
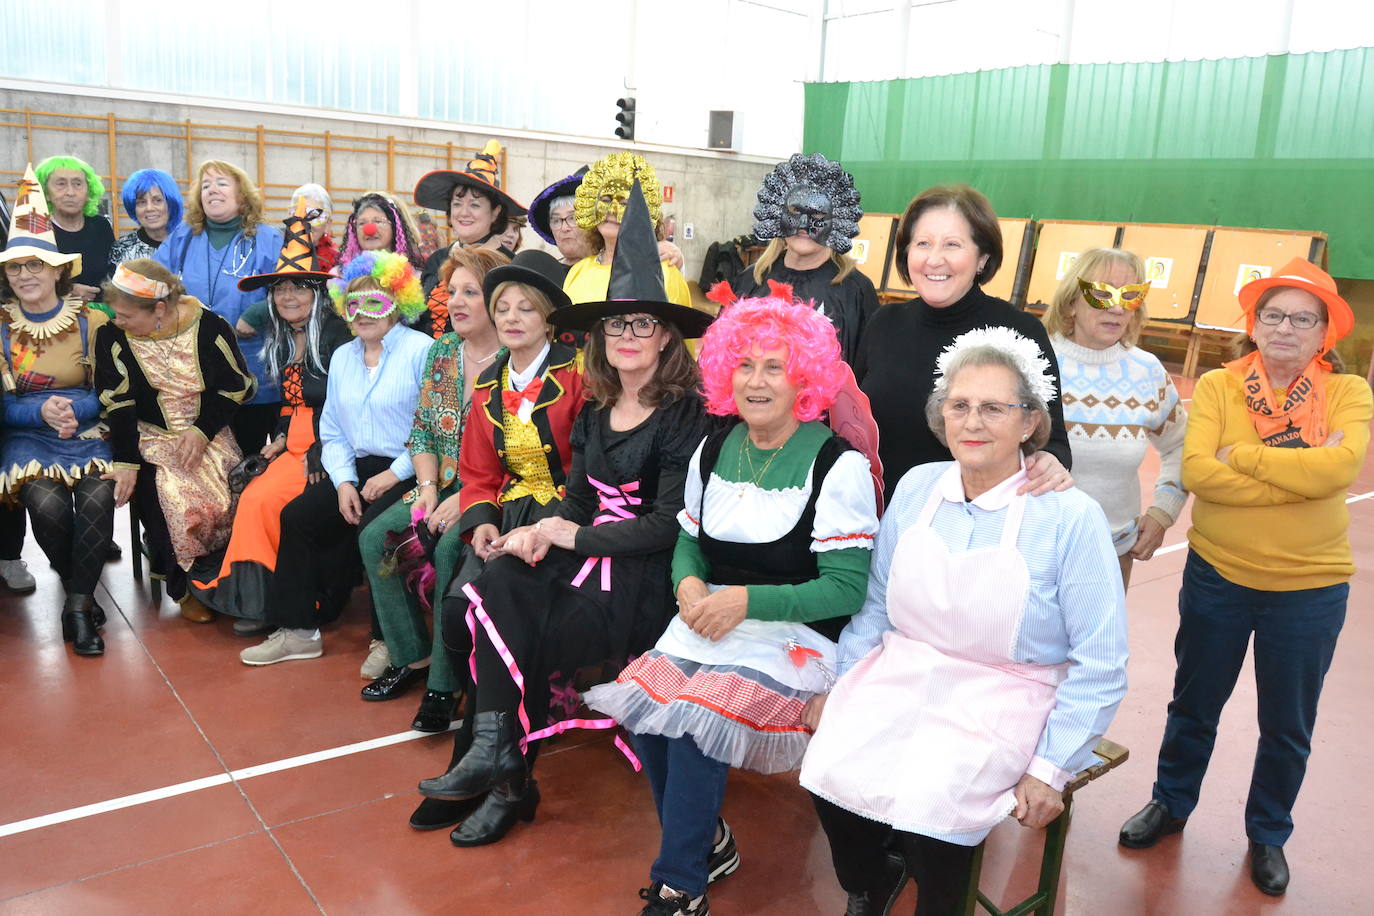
636,285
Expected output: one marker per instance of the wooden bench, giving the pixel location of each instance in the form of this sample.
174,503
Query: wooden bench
1042,901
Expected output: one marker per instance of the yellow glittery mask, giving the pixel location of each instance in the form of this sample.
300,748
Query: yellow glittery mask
606,187
1104,296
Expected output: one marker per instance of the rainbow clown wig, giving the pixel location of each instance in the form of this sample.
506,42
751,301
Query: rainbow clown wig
95,188
378,274
748,327
143,181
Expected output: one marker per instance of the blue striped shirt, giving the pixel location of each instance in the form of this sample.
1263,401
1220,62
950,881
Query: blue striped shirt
1075,609
372,413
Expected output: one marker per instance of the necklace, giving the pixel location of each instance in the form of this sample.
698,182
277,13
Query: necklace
746,455
475,361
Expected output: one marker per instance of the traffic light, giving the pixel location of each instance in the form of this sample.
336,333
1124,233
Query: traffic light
626,117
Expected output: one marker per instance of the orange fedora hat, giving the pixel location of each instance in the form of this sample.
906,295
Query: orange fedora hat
1302,274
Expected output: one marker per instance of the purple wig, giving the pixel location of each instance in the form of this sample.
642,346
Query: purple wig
751,326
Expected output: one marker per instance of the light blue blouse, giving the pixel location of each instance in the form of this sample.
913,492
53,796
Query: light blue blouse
371,413
1075,608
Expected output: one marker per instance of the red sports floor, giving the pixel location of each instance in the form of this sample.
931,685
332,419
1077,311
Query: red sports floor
255,819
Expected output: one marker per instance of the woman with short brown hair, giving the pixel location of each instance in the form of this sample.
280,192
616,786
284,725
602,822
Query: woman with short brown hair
948,245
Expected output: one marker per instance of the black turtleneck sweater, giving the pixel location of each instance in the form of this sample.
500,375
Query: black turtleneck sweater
896,369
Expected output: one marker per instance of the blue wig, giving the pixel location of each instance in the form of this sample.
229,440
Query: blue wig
144,180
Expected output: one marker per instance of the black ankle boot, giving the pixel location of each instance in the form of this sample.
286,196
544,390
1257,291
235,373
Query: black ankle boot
493,759
78,626
516,800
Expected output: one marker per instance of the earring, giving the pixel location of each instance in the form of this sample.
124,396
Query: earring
158,326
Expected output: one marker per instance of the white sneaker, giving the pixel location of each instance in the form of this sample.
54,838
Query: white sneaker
378,660
282,646
16,576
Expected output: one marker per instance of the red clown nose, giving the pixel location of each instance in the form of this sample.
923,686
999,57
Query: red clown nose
369,229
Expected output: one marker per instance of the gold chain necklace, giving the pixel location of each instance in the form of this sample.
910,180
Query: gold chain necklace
745,455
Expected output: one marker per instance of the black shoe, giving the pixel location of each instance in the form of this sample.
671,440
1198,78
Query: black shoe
494,758
393,682
436,712
1268,869
98,615
1148,824
248,627
78,627
435,815
658,905
724,857
879,902
494,818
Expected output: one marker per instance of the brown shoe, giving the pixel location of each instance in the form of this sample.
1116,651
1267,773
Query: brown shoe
194,611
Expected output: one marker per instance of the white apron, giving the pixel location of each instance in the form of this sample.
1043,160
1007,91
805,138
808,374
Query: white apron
931,731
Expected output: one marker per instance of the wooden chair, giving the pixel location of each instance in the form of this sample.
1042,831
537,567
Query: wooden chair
1042,901
136,549
1235,257
1058,243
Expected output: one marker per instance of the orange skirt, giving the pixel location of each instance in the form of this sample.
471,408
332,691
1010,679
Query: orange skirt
257,522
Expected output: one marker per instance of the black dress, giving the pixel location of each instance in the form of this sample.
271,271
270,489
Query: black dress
848,304
610,598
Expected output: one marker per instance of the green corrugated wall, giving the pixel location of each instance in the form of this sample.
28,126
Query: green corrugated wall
1282,142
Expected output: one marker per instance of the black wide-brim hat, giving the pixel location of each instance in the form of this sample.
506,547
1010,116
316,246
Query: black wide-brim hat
690,322
539,207
435,191
536,268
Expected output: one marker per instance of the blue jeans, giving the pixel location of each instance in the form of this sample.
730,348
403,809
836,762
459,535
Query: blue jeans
688,788
1295,637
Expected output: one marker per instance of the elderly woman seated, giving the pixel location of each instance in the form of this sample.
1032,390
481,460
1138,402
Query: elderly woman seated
771,561
990,654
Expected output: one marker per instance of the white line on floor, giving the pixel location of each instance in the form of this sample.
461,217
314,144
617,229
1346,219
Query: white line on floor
288,763
195,785
1182,544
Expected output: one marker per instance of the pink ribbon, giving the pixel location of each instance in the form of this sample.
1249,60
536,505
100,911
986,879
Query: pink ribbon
613,502
476,612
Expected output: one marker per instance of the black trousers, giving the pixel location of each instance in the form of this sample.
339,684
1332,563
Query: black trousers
858,847
12,529
253,424
317,560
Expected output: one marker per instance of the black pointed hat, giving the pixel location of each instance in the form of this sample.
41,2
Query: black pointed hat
636,283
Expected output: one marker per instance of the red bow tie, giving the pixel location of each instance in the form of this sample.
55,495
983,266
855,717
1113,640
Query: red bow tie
511,399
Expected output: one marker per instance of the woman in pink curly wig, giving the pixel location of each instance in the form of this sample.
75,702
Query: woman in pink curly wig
753,326
771,561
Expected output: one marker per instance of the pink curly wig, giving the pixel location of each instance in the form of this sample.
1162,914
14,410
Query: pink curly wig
751,326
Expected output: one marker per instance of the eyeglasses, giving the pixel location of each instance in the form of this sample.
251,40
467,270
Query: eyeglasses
991,412
12,268
1303,321
640,327
558,222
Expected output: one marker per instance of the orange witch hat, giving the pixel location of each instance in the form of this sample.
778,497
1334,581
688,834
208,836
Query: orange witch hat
297,260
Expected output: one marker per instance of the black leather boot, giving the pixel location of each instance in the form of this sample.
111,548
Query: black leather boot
493,759
434,813
505,804
78,626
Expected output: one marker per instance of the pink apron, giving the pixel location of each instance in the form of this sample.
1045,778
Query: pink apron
931,731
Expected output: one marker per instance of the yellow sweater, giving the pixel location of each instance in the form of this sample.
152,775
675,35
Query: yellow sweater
588,281
1273,519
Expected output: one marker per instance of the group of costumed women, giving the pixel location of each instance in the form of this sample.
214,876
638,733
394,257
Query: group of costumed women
541,480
